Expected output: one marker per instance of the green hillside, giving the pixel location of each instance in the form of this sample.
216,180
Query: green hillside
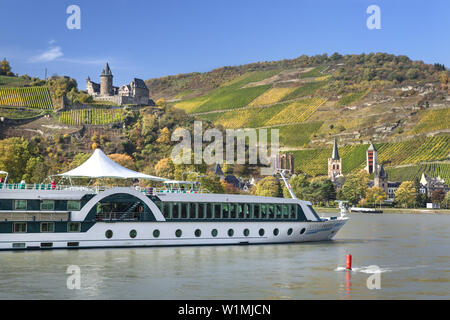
415,171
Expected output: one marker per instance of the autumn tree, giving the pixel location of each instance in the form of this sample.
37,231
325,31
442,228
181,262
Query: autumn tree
299,185
212,183
268,187
5,68
123,159
14,155
355,186
165,168
375,195
164,136
406,194
161,103
437,196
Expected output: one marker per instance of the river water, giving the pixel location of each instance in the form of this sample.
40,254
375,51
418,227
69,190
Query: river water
411,253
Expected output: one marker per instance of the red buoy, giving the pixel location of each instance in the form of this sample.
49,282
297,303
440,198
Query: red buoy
349,262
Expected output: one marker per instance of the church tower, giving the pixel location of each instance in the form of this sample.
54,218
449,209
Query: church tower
380,178
334,163
371,159
106,82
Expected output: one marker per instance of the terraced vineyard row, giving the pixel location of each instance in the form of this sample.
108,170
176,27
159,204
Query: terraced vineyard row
315,161
91,116
297,111
282,113
271,96
412,172
433,120
29,97
231,95
415,150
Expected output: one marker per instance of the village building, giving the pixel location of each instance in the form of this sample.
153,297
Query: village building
432,184
135,93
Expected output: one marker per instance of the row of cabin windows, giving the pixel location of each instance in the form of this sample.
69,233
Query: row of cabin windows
21,227
188,210
48,205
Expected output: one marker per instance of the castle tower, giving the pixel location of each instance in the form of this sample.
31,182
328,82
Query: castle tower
371,159
106,82
334,163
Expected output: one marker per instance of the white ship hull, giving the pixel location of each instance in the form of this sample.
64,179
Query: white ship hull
95,236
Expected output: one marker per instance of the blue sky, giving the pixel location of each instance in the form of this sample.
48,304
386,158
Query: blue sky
149,38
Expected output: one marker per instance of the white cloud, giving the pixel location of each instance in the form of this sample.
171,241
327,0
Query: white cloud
49,55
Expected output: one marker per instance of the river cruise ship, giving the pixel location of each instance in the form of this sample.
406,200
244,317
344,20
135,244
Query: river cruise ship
45,216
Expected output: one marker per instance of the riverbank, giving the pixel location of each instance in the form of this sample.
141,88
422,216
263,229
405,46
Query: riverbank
389,210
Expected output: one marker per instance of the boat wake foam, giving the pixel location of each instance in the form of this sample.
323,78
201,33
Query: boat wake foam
366,269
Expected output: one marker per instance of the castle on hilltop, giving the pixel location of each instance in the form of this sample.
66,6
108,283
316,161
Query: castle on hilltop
134,93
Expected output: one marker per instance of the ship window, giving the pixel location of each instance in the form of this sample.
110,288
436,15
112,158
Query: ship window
257,211
73,205
217,210
225,211
164,209
73,244
133,234
261,232
176,210
248,211
184,208
302,231
47,226
230,232
193,210
214,232
178,233
47,205
246,232
264,211
240,208
233,213
198,233
290,231
20,227
286,211
292,212
108,234
20,204
313,212
73,227
300,214
156,233
276,232
271,208
201,210
209,210
46,244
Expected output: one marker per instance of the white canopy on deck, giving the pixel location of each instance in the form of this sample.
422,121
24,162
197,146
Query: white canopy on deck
100,166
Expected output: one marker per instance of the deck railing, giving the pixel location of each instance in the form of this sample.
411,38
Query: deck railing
117,216
94,189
